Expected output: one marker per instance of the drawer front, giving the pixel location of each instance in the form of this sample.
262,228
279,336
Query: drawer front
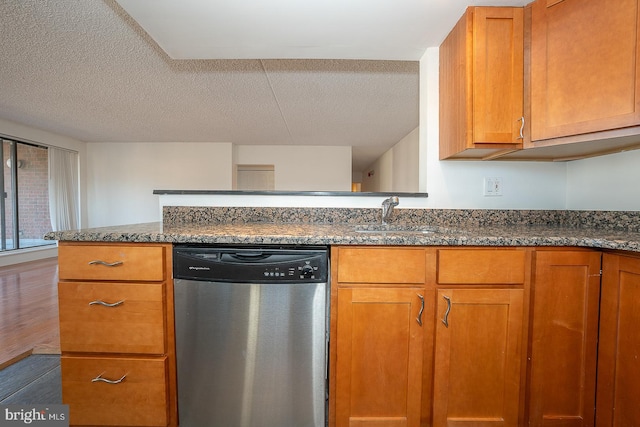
112,317
139,399
381,265
481,266
111,262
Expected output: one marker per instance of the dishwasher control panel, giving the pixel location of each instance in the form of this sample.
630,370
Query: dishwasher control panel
251,264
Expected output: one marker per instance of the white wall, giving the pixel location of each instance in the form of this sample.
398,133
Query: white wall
605,183
280,201
406,163
121,177
397,169
379,175
301,168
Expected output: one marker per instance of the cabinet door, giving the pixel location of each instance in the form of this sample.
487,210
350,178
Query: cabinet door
498,73
379,357
478,355
566,299
584,66
619,347
481,83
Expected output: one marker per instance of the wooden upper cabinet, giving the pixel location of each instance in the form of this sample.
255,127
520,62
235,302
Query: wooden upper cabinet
584,67
481,83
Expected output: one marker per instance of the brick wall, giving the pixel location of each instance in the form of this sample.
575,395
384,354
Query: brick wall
33,192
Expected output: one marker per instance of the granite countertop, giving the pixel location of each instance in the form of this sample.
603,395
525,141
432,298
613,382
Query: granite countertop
605,230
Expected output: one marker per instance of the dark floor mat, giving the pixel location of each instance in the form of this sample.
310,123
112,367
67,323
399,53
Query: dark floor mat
33,380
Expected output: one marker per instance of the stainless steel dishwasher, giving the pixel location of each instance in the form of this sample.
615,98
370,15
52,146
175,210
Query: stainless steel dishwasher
251,336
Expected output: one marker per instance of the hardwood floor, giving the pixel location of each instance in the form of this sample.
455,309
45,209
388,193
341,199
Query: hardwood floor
29,310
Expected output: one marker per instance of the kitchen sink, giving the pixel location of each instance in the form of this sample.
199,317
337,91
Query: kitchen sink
397,229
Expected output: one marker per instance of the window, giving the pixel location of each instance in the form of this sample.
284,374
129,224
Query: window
24,206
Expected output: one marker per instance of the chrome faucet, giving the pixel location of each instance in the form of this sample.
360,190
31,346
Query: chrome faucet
387,207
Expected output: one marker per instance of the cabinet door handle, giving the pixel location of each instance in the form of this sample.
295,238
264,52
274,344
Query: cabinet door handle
106,304
445,320
521,128
419,318
106,264
100,378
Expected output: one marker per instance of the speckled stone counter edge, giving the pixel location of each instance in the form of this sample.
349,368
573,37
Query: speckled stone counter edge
611,220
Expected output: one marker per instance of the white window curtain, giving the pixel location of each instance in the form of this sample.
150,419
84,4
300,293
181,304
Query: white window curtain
63,189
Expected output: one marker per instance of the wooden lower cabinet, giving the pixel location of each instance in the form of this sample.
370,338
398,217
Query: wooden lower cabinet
132,321
619,346
121,391
117,334
566,299
478,357
379,357
506,337
395,363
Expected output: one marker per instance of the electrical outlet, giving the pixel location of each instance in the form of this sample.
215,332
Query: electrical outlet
492,186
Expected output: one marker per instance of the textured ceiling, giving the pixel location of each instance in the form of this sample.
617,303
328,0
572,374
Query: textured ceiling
87,70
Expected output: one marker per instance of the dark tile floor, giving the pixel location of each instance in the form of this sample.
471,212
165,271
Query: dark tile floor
33,380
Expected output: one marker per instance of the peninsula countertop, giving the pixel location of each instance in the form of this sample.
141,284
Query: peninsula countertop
268,233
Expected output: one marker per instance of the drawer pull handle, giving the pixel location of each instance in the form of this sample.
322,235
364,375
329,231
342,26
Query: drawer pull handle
99,378
106,264
107,304
419,318
445,320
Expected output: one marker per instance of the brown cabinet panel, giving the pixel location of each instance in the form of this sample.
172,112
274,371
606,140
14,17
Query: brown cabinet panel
129,262
379,357
498,74
117,320
585,75
566,298
139,399
481,266
481,83
380,265
134,323
619,347
478,357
